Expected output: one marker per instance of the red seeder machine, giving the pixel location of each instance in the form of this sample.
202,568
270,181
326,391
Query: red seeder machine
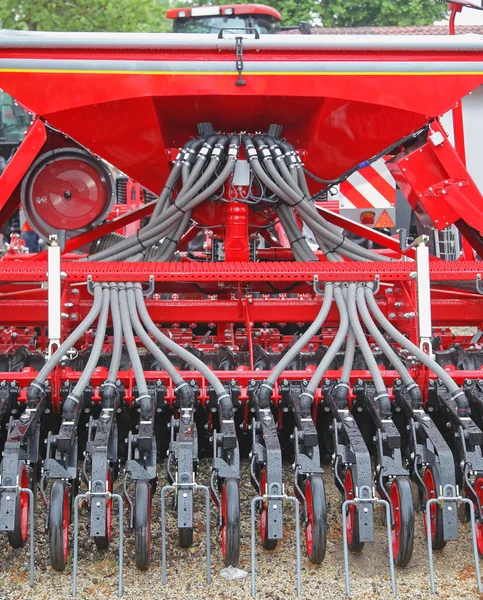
234,315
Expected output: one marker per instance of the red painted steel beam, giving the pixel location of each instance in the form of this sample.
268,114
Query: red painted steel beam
453,312
17,167
287,271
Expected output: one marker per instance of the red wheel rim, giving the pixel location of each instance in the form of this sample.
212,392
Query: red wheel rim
223,517
65,522
309,530
349,519
396,507
109,505
69,193
431,487
478,487
24,504
263,516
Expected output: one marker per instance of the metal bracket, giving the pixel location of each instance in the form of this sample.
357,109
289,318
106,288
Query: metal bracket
368,499
195,487
449,494
254,503
479,286
19,490
316,286
76,537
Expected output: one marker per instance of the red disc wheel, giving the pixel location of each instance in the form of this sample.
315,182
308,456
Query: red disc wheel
18,536
403,530
432,483
230,512
66,189
316,527
102,542
59,513
352,522
478,487
267,543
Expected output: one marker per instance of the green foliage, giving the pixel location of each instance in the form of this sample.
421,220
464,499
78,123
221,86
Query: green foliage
360,13
85,15
149,15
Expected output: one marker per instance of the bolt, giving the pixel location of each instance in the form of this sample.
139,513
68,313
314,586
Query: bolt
185,495
366,509
98,504
275,507
8,498
392,315
73,316
75,291
450,508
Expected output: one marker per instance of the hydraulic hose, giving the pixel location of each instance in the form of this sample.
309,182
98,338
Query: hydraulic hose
171,216
309,214
456,393
363,343
293,351
144,399
300,248
334,347
163,360
350,348
171,345
77,393
116,353
73,338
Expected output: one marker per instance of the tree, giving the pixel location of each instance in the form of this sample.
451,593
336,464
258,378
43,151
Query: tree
85,15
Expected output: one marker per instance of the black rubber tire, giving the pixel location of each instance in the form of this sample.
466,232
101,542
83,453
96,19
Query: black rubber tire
403,549
354,543
58,520
185,537
314,486
18,536
231,525
438,541
142,524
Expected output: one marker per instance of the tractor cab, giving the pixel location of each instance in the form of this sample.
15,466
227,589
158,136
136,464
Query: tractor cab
211,19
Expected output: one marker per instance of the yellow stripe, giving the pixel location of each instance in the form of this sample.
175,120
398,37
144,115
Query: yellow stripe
255,73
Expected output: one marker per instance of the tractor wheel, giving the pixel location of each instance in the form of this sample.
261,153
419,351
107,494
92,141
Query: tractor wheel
352,522
230,532
266,543
432,483
142,524
18,536
102,542
59,513
316,528
403,531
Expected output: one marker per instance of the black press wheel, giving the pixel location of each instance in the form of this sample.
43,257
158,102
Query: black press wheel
59,513
230,533
142,524
433,483
102,542
266,543
352,522
403,530
18,536
316,527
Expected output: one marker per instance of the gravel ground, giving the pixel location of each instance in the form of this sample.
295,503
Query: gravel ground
276,569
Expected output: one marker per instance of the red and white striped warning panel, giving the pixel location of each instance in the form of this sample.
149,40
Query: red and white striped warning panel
370,190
